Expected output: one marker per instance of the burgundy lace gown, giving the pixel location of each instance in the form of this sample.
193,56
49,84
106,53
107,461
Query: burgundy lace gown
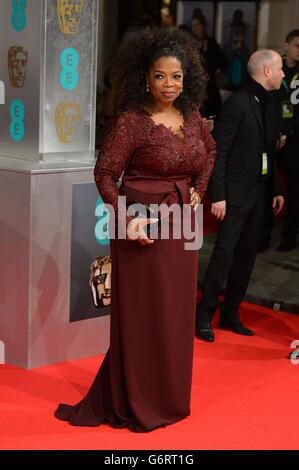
145,379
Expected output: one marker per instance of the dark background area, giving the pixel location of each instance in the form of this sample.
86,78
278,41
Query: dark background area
130,10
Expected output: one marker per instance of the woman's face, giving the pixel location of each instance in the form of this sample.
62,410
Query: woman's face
165,79
198,28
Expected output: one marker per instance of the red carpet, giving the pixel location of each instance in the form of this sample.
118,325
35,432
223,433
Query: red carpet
245,396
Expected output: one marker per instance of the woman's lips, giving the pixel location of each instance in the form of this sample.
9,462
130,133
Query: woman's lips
168,94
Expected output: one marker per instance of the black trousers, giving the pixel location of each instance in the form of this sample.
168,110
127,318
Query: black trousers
268,219
289,158
233,258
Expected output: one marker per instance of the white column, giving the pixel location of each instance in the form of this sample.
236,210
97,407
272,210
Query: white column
275,19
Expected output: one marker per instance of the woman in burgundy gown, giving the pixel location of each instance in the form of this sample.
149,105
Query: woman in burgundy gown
159,143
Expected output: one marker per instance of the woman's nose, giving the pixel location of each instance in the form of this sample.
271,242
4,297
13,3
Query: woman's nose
168,82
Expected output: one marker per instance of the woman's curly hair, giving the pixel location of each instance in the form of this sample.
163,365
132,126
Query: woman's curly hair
137,53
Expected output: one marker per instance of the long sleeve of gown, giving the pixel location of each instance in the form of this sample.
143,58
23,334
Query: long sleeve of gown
115,151
200,182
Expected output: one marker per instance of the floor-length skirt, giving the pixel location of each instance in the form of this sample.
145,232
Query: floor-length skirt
144,381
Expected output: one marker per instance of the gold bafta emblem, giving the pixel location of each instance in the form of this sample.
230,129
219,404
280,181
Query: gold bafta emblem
67,116
100,281
17,63
69,14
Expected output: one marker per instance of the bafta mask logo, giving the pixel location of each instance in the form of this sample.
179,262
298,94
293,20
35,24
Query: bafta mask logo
69,14
17,64
67,116
100,281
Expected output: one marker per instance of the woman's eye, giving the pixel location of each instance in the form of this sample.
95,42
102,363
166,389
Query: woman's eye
158,76
177,77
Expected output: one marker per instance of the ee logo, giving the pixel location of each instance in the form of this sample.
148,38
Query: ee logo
18,16
69,61
102,226
17,114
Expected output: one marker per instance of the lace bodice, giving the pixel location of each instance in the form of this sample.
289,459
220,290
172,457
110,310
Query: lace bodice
133,142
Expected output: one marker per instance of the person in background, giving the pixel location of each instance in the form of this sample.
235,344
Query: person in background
236,52
214,62
237,187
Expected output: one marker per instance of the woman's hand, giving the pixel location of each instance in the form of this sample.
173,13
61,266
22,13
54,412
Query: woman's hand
195,199
135,230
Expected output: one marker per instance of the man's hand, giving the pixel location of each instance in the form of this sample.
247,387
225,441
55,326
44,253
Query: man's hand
278,202
209,123
282,141
218,209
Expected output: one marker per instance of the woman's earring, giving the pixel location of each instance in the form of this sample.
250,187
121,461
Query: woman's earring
147,88
182,90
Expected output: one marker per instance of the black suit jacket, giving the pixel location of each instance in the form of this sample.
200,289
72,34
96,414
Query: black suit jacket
241,139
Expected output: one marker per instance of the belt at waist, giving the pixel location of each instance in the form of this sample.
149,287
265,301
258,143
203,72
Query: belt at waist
155,190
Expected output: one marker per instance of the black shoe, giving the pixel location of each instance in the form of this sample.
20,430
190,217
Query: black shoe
236,327
286,245
204,332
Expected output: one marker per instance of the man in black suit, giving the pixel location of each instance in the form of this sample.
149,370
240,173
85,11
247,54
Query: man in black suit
245,141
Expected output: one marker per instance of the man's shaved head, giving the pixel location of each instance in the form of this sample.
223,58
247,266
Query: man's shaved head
259,59
265,67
